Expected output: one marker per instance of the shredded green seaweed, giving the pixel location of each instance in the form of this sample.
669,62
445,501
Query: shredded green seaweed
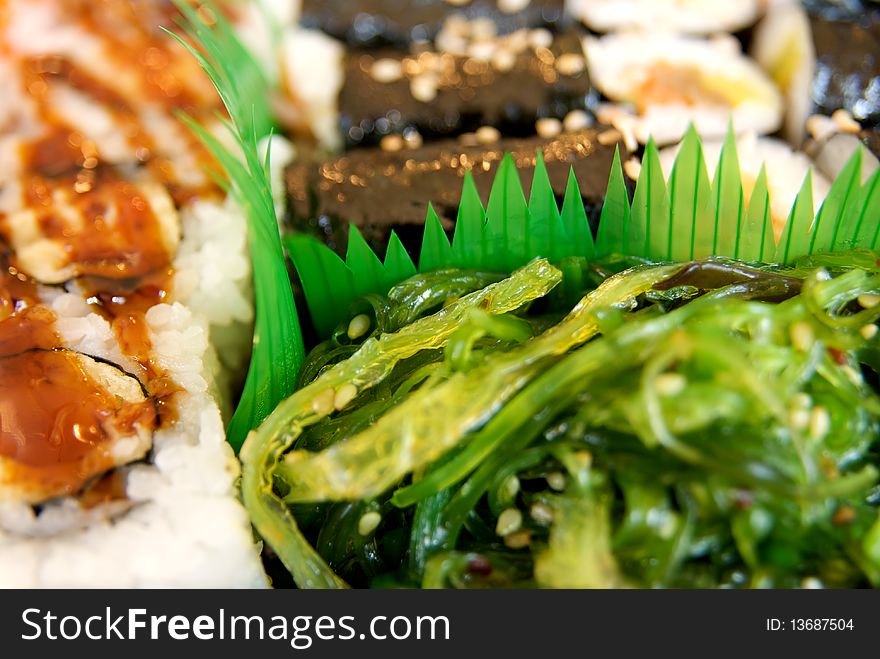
701,424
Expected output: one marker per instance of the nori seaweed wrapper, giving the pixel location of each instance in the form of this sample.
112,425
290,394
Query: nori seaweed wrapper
470,93
847,39
398,23
379,191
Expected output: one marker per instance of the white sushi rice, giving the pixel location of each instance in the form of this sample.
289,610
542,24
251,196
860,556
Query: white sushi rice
702,82
186,527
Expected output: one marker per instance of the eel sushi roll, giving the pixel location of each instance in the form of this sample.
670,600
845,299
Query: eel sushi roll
125,308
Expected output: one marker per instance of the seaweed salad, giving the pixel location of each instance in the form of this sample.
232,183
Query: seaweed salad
678,399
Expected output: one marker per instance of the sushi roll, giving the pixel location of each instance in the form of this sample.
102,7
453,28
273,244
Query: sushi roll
398,23
689,17
471,77
124,308
667,82
379,190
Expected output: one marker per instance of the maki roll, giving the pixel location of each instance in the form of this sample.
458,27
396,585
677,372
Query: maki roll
378,190
471,77
667,82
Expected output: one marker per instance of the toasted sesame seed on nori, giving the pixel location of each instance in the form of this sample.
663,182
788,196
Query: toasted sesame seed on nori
379,191
469,93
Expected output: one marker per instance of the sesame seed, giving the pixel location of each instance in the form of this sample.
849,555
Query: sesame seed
504,60
845,121
413,139
820,422
487,135
511,486
608,113
670,384
632,168
868,332
368,522
483,28
482,51
799,419
548,127
509,521
449,41
518,540
392,143
576,120
344,395
609,137
869,300
540,38
821,127
570,64
556,480
386,70
358,326
322,404
802,337
812,583
541,513
424,87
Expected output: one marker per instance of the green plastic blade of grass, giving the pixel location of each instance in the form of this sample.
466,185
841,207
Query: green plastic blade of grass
544,236
468,245
844,191
691,218
361,259
756,242
398,264
507,219
651,212
796,235
278,349
691,229
236,75
574,215
727,198
327,282
436,251
865,216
